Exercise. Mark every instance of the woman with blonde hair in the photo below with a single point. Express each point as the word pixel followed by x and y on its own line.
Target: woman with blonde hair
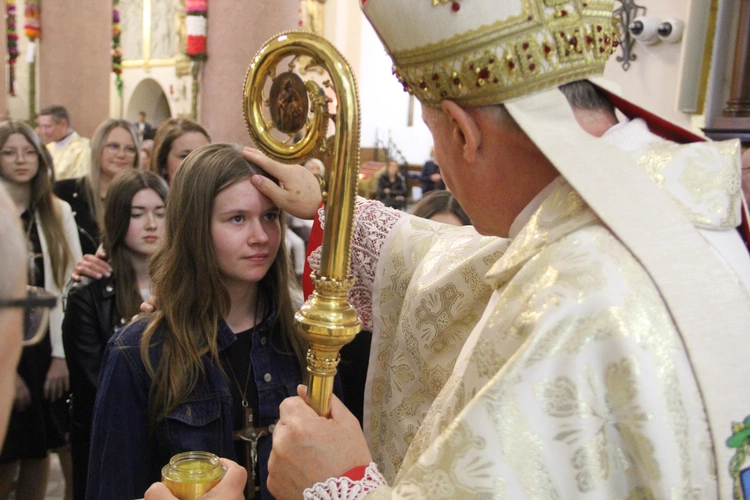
pixel 42 375
pixel 174 140
pixel 133 230
pixel 114 148
pixel 208 370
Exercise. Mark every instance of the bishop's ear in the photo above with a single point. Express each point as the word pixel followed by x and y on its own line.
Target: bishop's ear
pixel 465 130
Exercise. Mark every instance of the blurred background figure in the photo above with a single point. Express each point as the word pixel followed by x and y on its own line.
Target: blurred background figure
pixel 302 227
pixel 746 175
pixel 71 153
pixel 113 149
pixel 12 287
pixel 39 422
pixel 147 147
pixel 392 187
pixel 144 128
pixel 430 177
pixel 174 140
pixel 441 206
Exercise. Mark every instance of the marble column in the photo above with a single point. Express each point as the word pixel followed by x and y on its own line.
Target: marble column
pixel 236 30
pixel 74 60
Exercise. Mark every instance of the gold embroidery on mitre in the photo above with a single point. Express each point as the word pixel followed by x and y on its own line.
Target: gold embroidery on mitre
pixel 550 43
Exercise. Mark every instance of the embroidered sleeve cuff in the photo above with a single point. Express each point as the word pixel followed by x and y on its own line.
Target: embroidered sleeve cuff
pixel 344 488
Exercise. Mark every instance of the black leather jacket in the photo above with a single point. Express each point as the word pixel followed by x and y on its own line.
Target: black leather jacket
pixel 91 318
pixel 74 192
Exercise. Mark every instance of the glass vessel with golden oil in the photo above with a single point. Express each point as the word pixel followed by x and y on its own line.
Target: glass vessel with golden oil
pixel 190 474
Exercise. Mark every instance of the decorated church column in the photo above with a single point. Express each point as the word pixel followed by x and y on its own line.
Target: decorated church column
pixel 75 63
pixel 232 41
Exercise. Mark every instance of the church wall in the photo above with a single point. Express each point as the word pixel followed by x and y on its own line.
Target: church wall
pixel 236 30
pixel 75 61
pixel 385 105
pixel 654 79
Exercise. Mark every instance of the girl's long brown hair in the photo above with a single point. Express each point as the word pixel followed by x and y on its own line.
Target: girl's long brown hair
pixel 60 255
pixel 117 208
pixel 192 298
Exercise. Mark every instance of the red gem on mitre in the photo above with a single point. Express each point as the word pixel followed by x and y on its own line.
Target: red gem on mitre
pixel 455 7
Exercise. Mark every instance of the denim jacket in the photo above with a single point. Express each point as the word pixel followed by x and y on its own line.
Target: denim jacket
pixel 125 459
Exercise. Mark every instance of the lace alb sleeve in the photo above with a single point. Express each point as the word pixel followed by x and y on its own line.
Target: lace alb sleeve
pixel 372 223
pixel 343 488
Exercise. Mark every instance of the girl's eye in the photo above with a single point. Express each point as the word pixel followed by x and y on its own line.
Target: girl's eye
pixel 271 216
pixel 160 215
pixel 237 218
pixel 135 215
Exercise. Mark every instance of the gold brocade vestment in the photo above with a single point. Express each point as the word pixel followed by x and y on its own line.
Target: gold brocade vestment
pixel 563 373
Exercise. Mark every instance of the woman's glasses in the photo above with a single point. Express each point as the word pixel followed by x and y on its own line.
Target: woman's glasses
pixel 36 306
pixel 115 148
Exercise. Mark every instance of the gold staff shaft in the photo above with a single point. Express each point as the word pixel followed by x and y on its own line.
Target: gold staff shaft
pixel 327 321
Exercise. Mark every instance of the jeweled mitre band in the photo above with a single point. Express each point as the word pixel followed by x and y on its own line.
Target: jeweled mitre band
pixel 540 44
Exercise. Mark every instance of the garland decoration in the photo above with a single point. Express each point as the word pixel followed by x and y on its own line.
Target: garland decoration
pixel 196 22
pixel 33 32
pixel 116 47
pixel 10 28
pixel 32 29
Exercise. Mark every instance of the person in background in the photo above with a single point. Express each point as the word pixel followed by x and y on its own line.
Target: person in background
pixel 174 140
pixel 71 153
pixel 746 175
pixel 302 227
pixel 208 367
pixel 144 128
pixel 430 177
pixel 147 147
pixel 392 187
pixel 13 296
pixel 441 206
pixel 39 421
pixel 114 148
pixel 133 230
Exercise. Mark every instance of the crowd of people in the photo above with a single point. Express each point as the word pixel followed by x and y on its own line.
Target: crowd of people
pixel 541 325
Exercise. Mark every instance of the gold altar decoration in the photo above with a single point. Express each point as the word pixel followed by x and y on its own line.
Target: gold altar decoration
pixel 288 119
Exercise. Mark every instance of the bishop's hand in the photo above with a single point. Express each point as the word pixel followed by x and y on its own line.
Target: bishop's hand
pixel 299 193
pixel 308 448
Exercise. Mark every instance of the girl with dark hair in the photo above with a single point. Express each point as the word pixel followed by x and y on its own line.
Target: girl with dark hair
pixel 133 230
pixel 441 206
pixel 208 370
pixel 42 381
pixel 174 140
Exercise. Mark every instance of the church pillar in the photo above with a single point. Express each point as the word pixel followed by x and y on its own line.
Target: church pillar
pixel 236 30
pixel 4 78
pixel 74 60
pixel 739 93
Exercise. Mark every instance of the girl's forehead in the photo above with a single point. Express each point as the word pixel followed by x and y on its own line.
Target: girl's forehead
pixel 243 195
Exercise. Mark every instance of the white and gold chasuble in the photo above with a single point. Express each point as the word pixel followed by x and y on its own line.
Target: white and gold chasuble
pixel 73 159
pixel 555 368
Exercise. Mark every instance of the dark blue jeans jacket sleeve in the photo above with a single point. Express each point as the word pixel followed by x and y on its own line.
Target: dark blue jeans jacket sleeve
pixel 120 465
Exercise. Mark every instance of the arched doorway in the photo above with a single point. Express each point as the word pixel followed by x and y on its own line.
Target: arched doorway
pixel 148 96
